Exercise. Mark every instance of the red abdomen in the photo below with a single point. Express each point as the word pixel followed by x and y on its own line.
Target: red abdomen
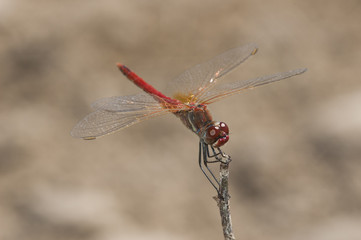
pixel 160 97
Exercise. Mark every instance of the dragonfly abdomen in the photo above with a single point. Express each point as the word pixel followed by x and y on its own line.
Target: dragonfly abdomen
pixel 160 97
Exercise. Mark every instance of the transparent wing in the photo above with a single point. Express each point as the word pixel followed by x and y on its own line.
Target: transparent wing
pixel 114 113
pixel 224 90
pixel 200 78
pixel 131 103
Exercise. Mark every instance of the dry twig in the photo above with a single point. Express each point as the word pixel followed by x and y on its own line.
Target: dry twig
pixel 223 200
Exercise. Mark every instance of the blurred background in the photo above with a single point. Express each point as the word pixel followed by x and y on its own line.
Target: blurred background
pixel 295 144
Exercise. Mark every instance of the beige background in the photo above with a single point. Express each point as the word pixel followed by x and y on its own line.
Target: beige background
pixel 295 144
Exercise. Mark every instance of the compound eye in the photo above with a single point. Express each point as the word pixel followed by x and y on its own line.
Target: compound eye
pixel 213 132
pixel 223 127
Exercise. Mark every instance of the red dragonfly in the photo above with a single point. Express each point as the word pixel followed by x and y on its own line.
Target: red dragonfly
pixel 192 91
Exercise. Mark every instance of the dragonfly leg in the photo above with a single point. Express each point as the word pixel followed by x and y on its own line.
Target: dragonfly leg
pixel 206 161
pixel 215 154
pixel 203 152
pixel 205 155
pixel 225 158
pixel 220 156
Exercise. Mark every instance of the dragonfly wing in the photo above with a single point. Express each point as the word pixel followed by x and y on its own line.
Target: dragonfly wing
pixel 200 78
pixel 224 90
pixel 115 113
pixel 127 103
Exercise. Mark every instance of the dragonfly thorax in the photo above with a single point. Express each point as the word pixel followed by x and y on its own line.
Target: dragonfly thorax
pixel 199 120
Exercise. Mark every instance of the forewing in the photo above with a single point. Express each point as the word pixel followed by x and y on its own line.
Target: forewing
pixel 115 113
pixel 200 78
pixel 224 90
pixel 131 103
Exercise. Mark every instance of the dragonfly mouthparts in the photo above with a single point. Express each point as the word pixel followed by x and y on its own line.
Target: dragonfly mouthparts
pixel 221 141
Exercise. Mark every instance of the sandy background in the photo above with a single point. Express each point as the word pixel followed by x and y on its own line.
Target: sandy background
pixel 296 170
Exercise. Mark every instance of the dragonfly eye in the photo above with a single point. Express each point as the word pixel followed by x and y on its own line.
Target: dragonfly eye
pixel 212 132
pixel 216 131
pixel 223 127
pixel 217 134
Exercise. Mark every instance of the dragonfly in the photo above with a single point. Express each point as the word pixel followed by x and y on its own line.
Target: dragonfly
pixel 191 93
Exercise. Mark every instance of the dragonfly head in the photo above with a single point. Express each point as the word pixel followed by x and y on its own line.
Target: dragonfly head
pixel 216 134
